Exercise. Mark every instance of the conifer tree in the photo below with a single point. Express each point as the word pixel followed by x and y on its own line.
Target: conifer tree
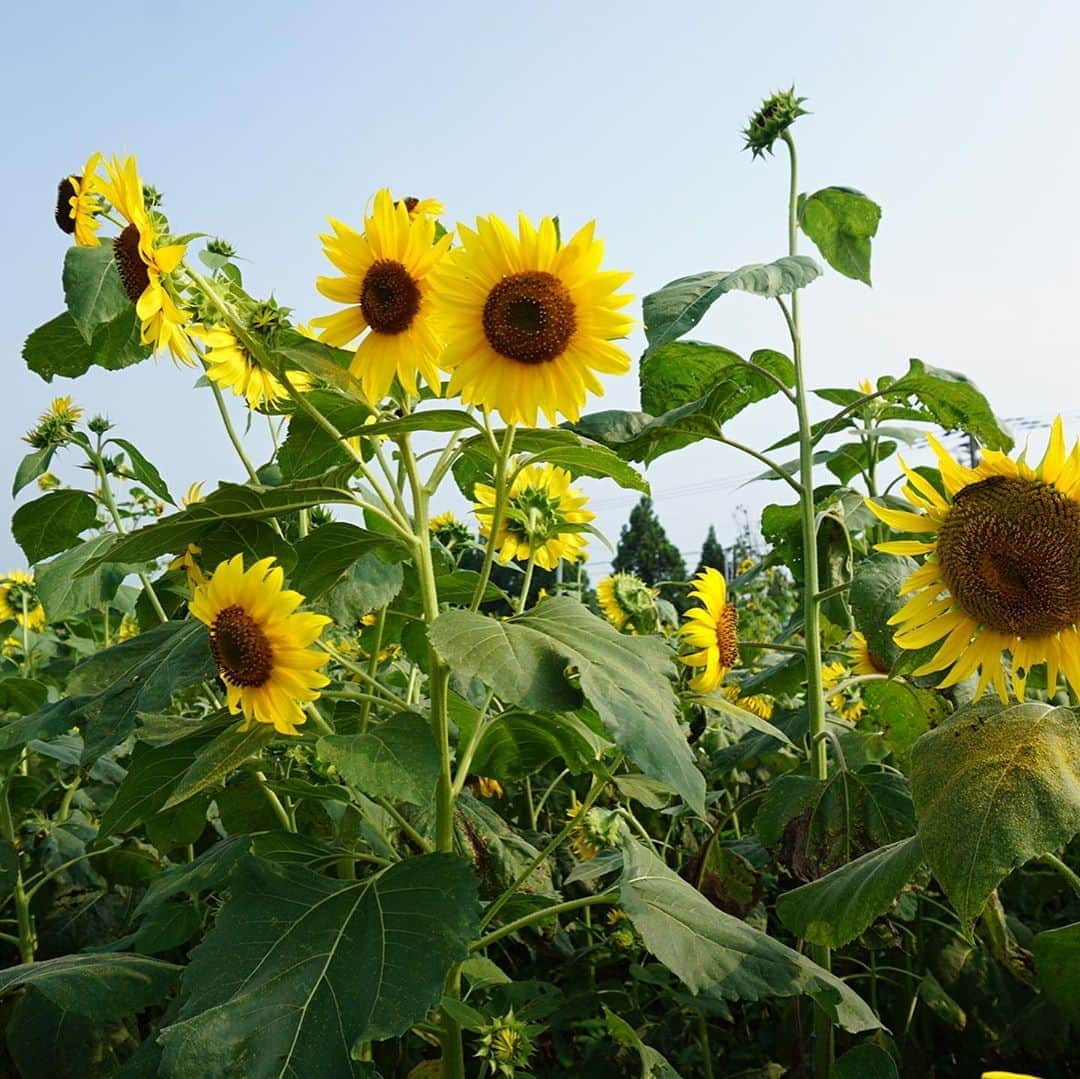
pixel 645 551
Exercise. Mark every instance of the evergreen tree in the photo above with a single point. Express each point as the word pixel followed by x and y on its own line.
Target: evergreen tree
pixel 645 551
pixel 712 554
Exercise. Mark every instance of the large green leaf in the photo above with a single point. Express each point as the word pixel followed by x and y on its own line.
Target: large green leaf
pixel 214 763
pixel 369 584
pixel 58 348
pixel 101 986
pixel 308 450
pixel 328 551
pixel 209 870
pixel 680 305
pixel 300 968
pixel 951 400
pixel 903 713
pixel 719 956
pixel 1057 962
pixel 136 676
pixel 331 365
pixel 144 471
pixel 680 372
pixel 836 908
pixel 63 594
pixel 992 790
pixel 47 722
pixel 842 222
pixel 52 523
pixel 519 744
pixel 654 1065
pixel 34 464
pixel 875 597
pixel 547 658
pixel 92 288
pixel 397 759
pixel 231 501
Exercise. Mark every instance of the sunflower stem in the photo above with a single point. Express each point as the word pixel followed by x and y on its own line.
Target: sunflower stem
pixel 609 898
pixel 1054 861
pixel 22 899
pixel 502 464
pixel 280 811
pixel 815 697
pixel 373 666
pixel 530 566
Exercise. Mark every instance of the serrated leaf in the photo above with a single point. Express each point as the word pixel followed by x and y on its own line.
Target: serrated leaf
pixel 93 290
pixel 213 763
pixel 369 584
pixel 992 790
pixel 52 523
pixel 842 222
pixel 836 908
pixel 63 594
pixel 719 956
pixel 681 304
pixel 328 551
pixel 144 471
pixel 275 983
pixel 58 348
pixel 681 371
pixel 209 870
pixel 526 660
pixel 397 759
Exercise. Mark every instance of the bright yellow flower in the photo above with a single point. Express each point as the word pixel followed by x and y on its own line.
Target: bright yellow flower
pixel 143 264
pixel 129 627
pixel 77 204
pixel 847 704
pixel 230 365
pixel 386 287
pixel 528 323
pixel 420 207
pixel 712 631
pixel 540 504
pixel 487 787
pixel 627 602
pixel 861 659
pixel 19 600
pixel 260 643
pixel 866 386
pixel 1001 572
pixel 194 494
pixel 760 706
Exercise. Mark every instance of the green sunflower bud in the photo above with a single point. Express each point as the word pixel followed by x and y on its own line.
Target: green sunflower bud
pixel 776 115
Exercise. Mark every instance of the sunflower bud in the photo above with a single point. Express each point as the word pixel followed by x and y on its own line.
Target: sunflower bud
pixel 776 115
pixel 56 426
pixel 221 247
pixel 268 317
pixel 506 1044
pixel 152 197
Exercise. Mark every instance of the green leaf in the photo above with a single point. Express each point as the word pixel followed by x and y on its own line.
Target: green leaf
pixel 308 450
pixel 328 551
pixel 209 870
pixel 903 713
pixel 993 789
pixel 144 471
pixel 951 400
pixel 92 288
pixel 835 909
pixel 1057 963
pixel 34 464
pixel 22 695
pixel 331 365
pixel 397 759
pixel 136 676
pixel 653 1064
pixel 253 539
pixel 101 986
pixel 680 372
pixel 368 585
pixel 215 762
pixel 65 595
pixel 55 718
pixel 300 968
pixel 58 348
pixel 717 703
pixel 721 957
pixel 431 419
pixel 680 305
pixel 842 222
pixel 519 744
pixel 230 502
pixel 866 1061
pixel 875 597
pixel 52 523
pixel 527 661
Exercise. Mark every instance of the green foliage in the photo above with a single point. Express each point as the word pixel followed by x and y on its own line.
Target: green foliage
pixel 52 523
pixel 841 221
pixel 712 554
pixel 58 347
pixel 64 593
pixel 994 787
pixel 92 288
pixel 1057 962
pixel 645 551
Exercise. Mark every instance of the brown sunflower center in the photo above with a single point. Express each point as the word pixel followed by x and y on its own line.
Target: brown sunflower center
pixel 133 272
pixel 727 636
pixel 65 192
pixel 529 317
pixel 241 650
pixel 1009 552
pixel 389 297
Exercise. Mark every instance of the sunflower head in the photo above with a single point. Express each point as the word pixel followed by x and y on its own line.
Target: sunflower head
pixel 56 425
pixel 506 1044
pixel 260 643
pixel 627 602
pixel 848 703
pixel 19 600
pixel 529 323
pixel 777 113
pixel 77 204
pixel 1002 569
pixel 710 631
pixel 423 207
pixel 540 506
pixel 449 531
pixel 758 704
pixel 385 288
pixel 861 659
pixel 232 366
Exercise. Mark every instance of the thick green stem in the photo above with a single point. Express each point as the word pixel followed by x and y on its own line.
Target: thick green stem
pixel 542 915
pixel 815 697
pixel 502 465
pixel 280 811
pixel 1064 870
pixel 523 598
pixel 22 900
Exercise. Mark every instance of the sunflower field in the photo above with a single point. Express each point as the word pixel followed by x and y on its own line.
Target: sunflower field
pixel 307 776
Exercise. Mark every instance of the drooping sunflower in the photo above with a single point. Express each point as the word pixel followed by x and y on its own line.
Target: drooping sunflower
pixel 423 207
pixel 541 502
pixel 848 703
pixel 143 264
pixel 1002 569
pixel 19 600
pixel 528 323
pixel 386 287
pixel 77 204
pixel 260 642
pixel 229 364
pixel 861 659
pixel 627 603
pixel 760 705
pixel 711 630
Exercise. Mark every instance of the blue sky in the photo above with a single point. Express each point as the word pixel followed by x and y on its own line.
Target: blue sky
pixel 259 120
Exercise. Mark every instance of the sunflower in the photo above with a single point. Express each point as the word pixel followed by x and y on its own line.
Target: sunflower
pixel 77 204
pixel 848 703
pixel 627 602
pixel 527 322
pixel 143 264
pixel 760 706
pixel 19 600
pixel 711 630
pixel 229 364
pixel 861 659
pixel 386 286
pixel 423 207
pixel 1002 573
pixel 55 426
pixel 260 644
pixel 541 503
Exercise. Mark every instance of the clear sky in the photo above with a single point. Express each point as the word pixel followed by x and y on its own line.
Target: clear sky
pixel 258 120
